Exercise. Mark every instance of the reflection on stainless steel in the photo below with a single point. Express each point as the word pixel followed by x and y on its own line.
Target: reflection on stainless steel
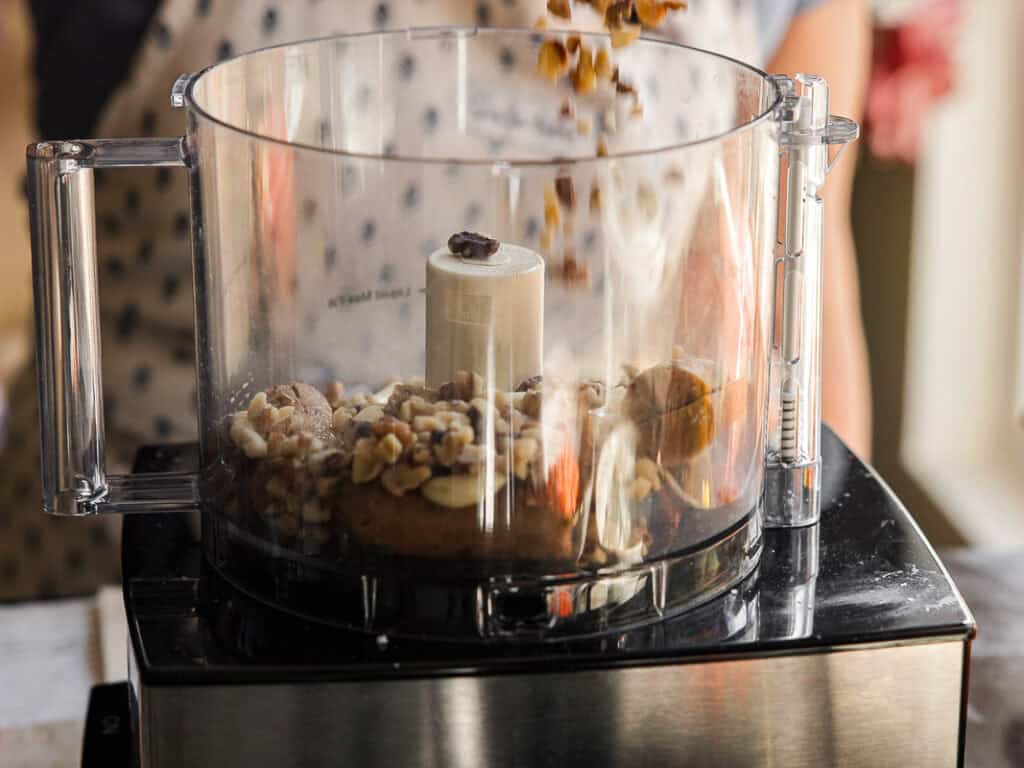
pixel 892 706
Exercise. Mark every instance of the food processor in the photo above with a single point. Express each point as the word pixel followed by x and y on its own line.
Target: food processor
pixel 510 449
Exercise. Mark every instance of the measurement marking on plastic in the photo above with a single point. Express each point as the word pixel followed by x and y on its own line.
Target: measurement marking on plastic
pixel 344 300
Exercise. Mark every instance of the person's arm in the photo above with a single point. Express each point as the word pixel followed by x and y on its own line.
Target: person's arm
pixel 834 40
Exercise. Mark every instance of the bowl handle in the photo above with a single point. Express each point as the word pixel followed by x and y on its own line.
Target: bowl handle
pixel 68 362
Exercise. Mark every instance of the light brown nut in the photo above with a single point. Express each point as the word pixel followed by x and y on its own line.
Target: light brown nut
pixel 465 386
pixel 639 489
pixel 257 405
pixel 602 147
pixel 472 454
pixel 370 413
pixel 603 65
pixel 541 23
pixel 624 35
pixel 560 8
pixel 452 443
pixel 312 512
pixel 652 12
pixel 523 452
pixel 242 434
pixel 275 442
pixel 341 419
pixel 595 198
pixel 672 410
pixel 532 404
pixel 422 454
pixel 452 418
pixel 552 59
pixel 565 190
pixel 572 43
pixel 584 77
pixel 290 447
pixel 389 448
pixel 308 403
pixel 389 425
pixel 457 491
pixel 648 470
pixel 400 478
pixel 365 468
pixel 264 419
pixel 426 423
pixel 309 443
pixel 420 406
pixel 335 394
pixel 552 216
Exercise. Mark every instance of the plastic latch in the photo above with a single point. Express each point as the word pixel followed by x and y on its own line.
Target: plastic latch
pixel 178 90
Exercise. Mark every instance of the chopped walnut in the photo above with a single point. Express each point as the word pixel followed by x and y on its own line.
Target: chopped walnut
pixel 560 8
pixel 584 78
pixel 624 35
pixel 603 65
pixel 401 478
pixel 552 217
pixel 552 59
pixel 566 191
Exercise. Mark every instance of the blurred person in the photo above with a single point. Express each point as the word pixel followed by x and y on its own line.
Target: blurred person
pixel 104 68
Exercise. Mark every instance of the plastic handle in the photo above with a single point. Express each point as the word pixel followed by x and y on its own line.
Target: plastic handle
pixel 68 361
pixel 792 482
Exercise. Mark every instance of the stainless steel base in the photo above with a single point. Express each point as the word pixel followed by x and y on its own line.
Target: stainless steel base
pixel 878 706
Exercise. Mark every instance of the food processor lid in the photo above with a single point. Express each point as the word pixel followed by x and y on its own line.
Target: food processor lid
pixel 274 83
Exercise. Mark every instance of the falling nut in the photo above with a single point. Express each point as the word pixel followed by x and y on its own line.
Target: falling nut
pixel 584 77
pixel 552 217
pixel 552 59
pixel 603 65
pixel 560 8
pixel 565 190
pixel 624 35
pixel 652 12
pixel 457 491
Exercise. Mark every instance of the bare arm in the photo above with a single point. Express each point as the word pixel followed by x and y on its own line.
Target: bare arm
pixel 834 41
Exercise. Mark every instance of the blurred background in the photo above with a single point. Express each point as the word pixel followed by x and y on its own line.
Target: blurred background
pixel 938 226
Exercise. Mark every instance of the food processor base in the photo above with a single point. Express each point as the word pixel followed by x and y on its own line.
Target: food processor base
pixel 848 645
